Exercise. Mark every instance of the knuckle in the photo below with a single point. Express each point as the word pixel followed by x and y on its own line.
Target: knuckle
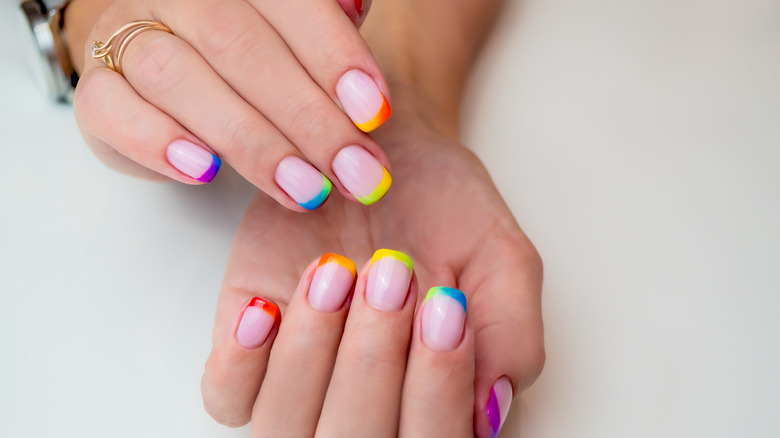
pixel 225 30
pixel 310 115
pixel 158 65
pixel 87 97
pixel 225 418
pixel 238 136
pixel 536 360
pixel 373 355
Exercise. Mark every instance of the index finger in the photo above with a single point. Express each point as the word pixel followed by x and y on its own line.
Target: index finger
pixel 342 64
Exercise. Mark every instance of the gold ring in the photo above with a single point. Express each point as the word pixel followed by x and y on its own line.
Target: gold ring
pixel 120 39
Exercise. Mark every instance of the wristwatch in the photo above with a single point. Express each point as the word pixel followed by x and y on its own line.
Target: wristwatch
pixel 53 65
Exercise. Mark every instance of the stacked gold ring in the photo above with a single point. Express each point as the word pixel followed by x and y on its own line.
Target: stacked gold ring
pixel 120 39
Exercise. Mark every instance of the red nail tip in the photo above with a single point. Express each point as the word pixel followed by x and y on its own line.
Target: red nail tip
pixel 359 6
pixel 268 307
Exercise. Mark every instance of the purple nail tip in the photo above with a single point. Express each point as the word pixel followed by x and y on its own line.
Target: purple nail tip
pixel 212 171
pixel 494 413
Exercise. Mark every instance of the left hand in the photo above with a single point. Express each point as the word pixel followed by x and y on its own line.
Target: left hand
pixel 337 363
pixel 446 214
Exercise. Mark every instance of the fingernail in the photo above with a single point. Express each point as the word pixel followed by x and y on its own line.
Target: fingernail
pixel 256 323
pixel 331 283
pixel 361 99
pixel 192 160
pixel 388 281
pixel 305 184
pixel 359 6
pixel 498 405
pixel 361 173
pixel 443 319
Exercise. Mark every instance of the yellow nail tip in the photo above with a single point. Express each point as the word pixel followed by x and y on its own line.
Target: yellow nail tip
pixel 379 191
pixel 398 255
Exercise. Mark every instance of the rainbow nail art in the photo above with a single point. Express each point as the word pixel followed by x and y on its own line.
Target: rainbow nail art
pixel 398 255
pixel 211 172
pixel 362 100
pixel 450 292
pixel 257 321
pixel 341 260
pixel 381 116
pixel 498 404
pixel 379 191
pixel 267 307
pixel 321 197
pixel 192 160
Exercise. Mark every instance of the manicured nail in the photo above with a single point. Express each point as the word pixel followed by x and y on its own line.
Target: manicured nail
pixel 388 280
pixel 498 404
pixel 361 173
pixel 359 6
pixel 443 318
pixel 331 283
pixel 192 160
pixel 256 323
pixel 305 184
pixel 361 99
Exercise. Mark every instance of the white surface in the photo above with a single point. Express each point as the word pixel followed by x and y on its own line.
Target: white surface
pixel 638 143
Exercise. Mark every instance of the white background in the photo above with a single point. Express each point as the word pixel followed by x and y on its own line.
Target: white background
pixel 638 143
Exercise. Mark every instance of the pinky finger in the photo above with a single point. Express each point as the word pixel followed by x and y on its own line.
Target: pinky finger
pixel 110 113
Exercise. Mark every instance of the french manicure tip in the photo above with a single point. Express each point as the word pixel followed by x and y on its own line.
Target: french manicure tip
pixel 339 259
pixel 451 292
pixel 211 172
pixel 398 255
pixel 381 117
pixel 379 191
pixel 321 197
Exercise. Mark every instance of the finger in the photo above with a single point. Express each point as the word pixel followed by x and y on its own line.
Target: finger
pixel 365 391
pixel 304 352
pixel 342 65
pixel 171 75
pixel 438 393
pixel 356 10
pixel 506 309
pixel 236 365
pixel 110 112
pixel 250 56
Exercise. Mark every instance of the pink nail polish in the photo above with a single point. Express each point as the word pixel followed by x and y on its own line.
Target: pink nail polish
pixel 443 318
pixel 388 280
pixel 362 174
pixel 256 323
pixel 362 101
pixel 332 282
pixel 498 404
pixel 192 160
pixel 305 184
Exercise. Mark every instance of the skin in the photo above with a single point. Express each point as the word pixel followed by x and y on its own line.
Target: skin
pixel 193 85
pixel 457 230
pixel 443 211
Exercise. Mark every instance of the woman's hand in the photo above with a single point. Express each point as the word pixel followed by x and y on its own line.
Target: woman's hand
pixel 347 364
pixel 445 213
pixel 282 91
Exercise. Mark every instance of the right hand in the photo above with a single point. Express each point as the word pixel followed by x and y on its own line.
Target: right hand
pixel 268 86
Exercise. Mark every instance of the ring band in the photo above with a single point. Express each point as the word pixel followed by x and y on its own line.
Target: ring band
pixel 120 39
